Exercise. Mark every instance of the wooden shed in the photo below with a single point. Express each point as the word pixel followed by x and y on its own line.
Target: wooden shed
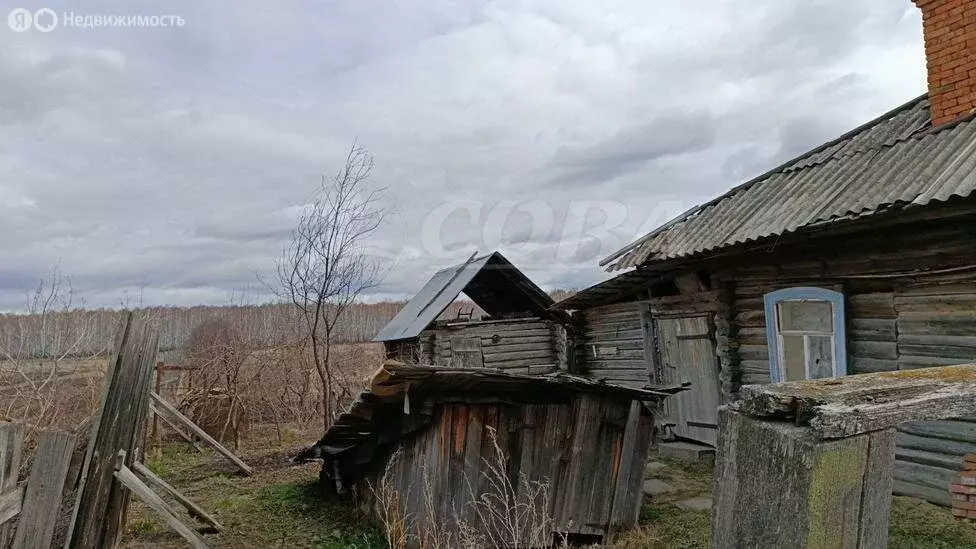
pixel 519 332
pixel 505 459
pixel 858 256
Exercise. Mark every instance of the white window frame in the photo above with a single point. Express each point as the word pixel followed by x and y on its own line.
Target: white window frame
pixel 771 301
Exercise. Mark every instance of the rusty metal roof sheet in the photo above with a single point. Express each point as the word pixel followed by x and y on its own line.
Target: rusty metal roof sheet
pixel 491 281
pixel 897 160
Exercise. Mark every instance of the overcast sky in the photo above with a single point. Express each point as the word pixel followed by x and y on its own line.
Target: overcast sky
pixel 171 162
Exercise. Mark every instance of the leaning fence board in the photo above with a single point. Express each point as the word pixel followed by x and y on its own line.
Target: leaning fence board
pixel 42 500
pixel 11 445
pixel 202 434
pixel 174 427
pixel 132 482
pixel 194 509
pixel 101 503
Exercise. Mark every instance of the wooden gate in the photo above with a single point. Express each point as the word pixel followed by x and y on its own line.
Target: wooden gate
pixel 686 353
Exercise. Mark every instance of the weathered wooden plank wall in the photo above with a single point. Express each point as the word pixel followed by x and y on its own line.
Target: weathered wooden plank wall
pixel 611 344
pixel 522 346
pixel 564 462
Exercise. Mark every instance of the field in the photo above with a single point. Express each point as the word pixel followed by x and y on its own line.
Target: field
pixel 281 507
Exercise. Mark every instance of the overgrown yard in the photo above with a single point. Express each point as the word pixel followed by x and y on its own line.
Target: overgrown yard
pixel 280 506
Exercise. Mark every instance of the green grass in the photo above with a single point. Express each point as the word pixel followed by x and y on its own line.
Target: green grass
pixel 171 458
pixel 298 509
pixel 916 523
pixel 280 506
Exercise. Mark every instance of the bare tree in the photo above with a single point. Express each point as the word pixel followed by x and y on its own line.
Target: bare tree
pixel 326 265
pixel 46 376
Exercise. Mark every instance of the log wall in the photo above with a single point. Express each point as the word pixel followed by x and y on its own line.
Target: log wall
pixel 611 344
pixel 910 303
pixel 523 346
pixel 577 465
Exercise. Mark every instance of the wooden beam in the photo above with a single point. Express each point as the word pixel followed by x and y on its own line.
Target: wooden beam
pixel 42 500
pixel 171 425
pixel 10 504
pixel 852 405
pixel 11 447
pixel 195 429
pixel 101 505
pixel 627 495
pixel 156 503
pixel 195 510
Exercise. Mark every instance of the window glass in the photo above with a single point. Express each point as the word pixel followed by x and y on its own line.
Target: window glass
pixel 793 356
pixel 821 356
pixel 806 316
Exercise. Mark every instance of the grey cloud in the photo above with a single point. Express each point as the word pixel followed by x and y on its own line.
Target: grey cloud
pixel 630 148
pixel 165 161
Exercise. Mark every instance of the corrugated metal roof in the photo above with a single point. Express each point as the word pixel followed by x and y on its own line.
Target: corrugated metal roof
pixel 893 161
pixel 616 288
pixel 491 281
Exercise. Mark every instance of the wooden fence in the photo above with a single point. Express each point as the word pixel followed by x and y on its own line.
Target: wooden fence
pixel 30 516
pixel 37 515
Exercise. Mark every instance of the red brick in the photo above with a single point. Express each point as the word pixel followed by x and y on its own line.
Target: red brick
pixel 960 489
pixel 950 47
pixel 960 513
pixel 967 505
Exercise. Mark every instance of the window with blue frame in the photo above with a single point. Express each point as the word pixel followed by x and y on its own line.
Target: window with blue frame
pixel 805 334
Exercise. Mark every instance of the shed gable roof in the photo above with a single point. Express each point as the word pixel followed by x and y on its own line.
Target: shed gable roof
pixel 491 281
pixel 896 160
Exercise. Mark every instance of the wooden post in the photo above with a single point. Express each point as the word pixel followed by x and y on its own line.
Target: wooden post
pixel 11 496
pixel 780 485
pixel 120 425
pixel 155 435
pixel 42 500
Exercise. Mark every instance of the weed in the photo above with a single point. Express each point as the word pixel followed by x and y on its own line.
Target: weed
pixel 144 526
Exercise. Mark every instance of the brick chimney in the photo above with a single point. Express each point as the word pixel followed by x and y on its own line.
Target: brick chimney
pixel 950 50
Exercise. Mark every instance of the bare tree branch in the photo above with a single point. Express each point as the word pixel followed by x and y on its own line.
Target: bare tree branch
pixel 326 267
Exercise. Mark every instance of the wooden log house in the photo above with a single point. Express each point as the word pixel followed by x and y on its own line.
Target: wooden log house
pixel 519 334
pixel 475 431
pixel 857 256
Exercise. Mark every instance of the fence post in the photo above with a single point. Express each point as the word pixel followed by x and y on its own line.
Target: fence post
pixel 42 500
pixel 779 485
pixel 11 496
